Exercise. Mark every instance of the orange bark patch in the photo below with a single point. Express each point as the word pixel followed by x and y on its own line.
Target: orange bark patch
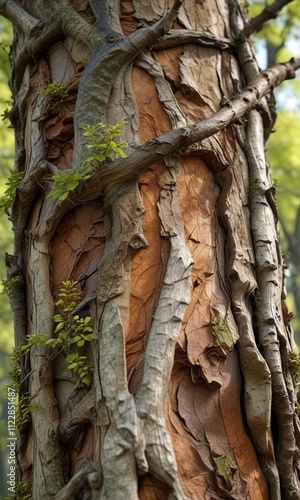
pixel 153 119
pixel 205 423
pixel 147 271
pixel 198 213
pixel 128 22
pixel 148 265
pixel 239 441
pixel 77 246
pixel 169 61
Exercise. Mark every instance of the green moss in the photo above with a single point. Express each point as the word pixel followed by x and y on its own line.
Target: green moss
pixel 294 364
pixel 56 92
pixel 226 468
pixel 222 334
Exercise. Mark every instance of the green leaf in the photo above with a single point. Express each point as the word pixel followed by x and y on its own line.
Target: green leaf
pixel 90 337
pixel 72 356
pixel 73 366
pixel 64 196
pixel 58 317
pixel 59 327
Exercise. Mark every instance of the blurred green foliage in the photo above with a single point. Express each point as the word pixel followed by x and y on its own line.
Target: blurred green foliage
pixel 281 31
pixel 6 163
pixel 6 238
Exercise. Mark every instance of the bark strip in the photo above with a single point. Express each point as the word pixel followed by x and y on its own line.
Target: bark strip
pixel 268 304
pixel 159 355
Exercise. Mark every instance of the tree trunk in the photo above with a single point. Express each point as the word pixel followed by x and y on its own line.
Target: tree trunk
pixel 174 249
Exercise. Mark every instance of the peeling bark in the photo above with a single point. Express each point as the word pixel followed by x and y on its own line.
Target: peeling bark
pixel 174 248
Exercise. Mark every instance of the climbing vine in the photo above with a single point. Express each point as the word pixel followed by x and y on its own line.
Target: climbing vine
pixel 71 331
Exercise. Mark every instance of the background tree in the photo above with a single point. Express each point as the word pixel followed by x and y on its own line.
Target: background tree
pixel 173 249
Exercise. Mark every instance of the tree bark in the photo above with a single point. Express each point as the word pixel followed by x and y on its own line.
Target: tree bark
pixel 175 250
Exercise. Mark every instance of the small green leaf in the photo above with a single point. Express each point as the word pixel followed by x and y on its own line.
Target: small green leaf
pixel 59 327
pixel 58 317
pixel 73 366
pixel 90 337
pixel 72 356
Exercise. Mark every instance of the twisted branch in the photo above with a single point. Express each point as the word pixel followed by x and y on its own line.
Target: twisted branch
pixel 257 22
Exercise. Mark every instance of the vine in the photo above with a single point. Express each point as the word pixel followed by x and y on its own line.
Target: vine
pixel 101 142
pixel 72 331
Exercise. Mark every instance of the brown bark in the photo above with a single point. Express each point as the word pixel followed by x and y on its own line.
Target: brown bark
pixel 175 250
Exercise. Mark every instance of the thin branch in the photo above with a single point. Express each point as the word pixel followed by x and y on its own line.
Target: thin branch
pixel 17 15
pixel 270 329
pixel 177 36
pixel 113 175
pixel 73 486
pixel 108 179
pixel 257 22
pixel 99 9
pixel 116 52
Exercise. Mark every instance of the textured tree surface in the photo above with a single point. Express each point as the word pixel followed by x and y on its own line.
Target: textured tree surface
pixel 175 249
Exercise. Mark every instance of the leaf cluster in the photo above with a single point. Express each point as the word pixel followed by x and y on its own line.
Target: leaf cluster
pixel 72 330
pixel 66 182
pixel 8 112
pixel 7 285
pixel 56 92
pixel 24 409
pixel 79 364
pixel 102 145
pixel 9 196
pixel 32 340
pixel 101 142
